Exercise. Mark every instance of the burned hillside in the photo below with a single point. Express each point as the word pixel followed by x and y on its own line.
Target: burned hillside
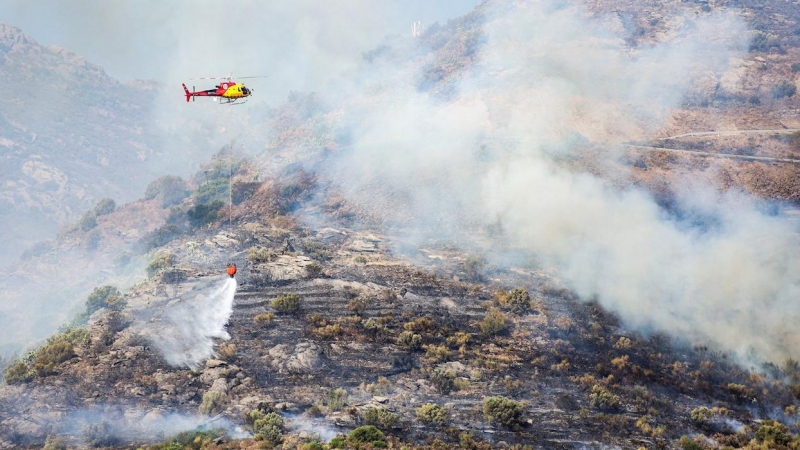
pixel 513 231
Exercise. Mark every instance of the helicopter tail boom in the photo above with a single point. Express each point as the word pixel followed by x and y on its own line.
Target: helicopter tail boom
pixel 186 90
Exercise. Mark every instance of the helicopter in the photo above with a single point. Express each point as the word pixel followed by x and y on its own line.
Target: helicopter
pixel 228 91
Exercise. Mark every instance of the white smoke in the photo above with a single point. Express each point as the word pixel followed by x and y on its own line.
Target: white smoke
pixel 185 330
pixel 554 82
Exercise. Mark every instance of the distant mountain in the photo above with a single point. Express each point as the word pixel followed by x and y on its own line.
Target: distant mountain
pixel 70 135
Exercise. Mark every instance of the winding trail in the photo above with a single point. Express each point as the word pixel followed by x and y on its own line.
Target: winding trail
pixel 730 133
pixel 721 155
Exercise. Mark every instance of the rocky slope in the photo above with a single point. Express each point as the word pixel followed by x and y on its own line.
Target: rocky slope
pixel 338 323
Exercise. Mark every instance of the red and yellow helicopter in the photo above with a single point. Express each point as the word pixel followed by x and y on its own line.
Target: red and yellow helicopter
pixel 228 91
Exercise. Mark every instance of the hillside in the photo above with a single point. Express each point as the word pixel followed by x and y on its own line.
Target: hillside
pixel 458 246
pixel 70 135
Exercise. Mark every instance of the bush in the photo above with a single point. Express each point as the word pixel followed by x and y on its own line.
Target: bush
pixel 773 433
pixel 517 301
pixel 433 414
pixel 764 42
pixel 211 191
pixel 264 318
pixel 602 398
pixel 159 237
pixel 493 323
pixel 688 443
pixel 784 89
pixel 740 391
pixel 337 399
pixel 795 67
pixel 104 206
pixel 18 373
pixel 88 221
pixel 502 411
pixel 443 380
pixel 380 417
pixel 51 355
pixel 161 262
pixel 75 336
pixel 473 269
pixel 701 415
pixel 409 340
pixel 203 214
pixel 170 189
pixel 337 442
pixel 213 401
pixel 54 443
pixel 313 270
pixel 268 427
pixel 259 255
pixel 286 304
pixel 102 297
pixel 195 440
pixel 92 240
pixel 367 434
pixel 436 353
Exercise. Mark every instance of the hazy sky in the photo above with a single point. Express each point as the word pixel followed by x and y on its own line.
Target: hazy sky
pixel 298 43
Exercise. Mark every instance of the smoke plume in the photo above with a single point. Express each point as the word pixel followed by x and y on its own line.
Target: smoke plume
pixel 552 83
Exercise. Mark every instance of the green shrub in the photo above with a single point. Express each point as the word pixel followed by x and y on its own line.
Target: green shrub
pixel 18 373
pixel 204 213
pixel 88 221
pixel 104 206
pixel 764 42
pixel 102 297
pixel 54 443
pixel 602 398
pixel 740 391
pixel 212 191
pixel 784 89
pixel 436 353
pixel 337 442
pixel 688 443
pixel 268 427
pixel 264 318
pixel 313 446
pixel 493 323
pixel 51 355
pixel 517 300
pixel 260 255
pixel 92 240
pixel 288 303
pixel 195 440
pixel 795 67
pixel 337 399
pixel 503 411
pixel 431 413
pixel 443 380
pixel 701 415
pixel 169 189
pixel 367 434
pixel 380 417
pixel 313 270
pixel 773 433
pixel 213 401
pixel 409 340
pixel 159 263
pixel 75 336
pixel 159 237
